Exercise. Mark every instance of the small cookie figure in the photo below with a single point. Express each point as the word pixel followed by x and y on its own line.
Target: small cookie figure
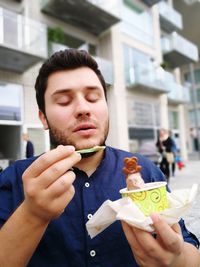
pixel 132 172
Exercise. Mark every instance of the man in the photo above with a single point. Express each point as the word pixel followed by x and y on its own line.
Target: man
pixel 45 202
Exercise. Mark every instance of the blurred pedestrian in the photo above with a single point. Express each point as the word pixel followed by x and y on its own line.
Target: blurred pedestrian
pixel 28 146
pixel 175 152
pixel 179 161
pixel 165 147
pixel 195 140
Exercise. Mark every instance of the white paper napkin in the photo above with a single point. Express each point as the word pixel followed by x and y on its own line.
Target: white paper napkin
pixel 180 202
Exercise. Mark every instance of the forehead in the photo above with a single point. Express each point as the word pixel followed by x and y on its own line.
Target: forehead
pixel 73 79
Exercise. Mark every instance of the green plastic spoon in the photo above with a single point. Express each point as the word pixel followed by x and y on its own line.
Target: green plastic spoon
pixel 90 150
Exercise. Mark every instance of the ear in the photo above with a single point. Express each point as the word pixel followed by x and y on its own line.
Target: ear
pixel 126 160
pixel 134 159
pixel 43 120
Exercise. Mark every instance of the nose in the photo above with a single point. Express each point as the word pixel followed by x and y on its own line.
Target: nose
pixel 82 108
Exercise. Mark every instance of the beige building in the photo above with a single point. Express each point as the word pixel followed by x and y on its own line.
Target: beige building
pixel 138 46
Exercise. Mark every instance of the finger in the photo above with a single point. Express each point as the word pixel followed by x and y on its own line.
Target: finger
pixel 59 204
pixel 47 159
pixel 171 236
pixel 56 170
pixel 61 185
pixel 148 243
pixel 131 238
pixel 144 246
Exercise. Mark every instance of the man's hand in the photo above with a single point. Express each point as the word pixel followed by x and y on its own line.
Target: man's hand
pixel 166 250
pixel 48 183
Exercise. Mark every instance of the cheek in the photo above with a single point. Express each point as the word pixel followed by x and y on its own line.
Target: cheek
pixel 102 113
pixel 57 116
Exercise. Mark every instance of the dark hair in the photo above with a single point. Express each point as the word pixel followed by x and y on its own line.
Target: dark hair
pixel 64 60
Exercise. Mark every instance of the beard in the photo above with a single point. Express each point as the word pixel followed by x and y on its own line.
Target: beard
pixel 59 137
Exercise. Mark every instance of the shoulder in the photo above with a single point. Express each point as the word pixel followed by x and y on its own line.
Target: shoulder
pixel 15 171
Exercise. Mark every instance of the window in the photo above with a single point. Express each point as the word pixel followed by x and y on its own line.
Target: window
pixel 10 101
pixel 173 120
pixel 187 76
pixel 131 5
pixel 191 117
pixel 198 94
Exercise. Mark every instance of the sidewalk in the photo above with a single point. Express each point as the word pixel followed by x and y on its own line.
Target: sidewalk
pixel 185 178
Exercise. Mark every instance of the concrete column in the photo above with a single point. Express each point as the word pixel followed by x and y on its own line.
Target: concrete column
pixel 182 120
pixel 118 135
pixel 182 127
pixel 157 34
pixel 164 121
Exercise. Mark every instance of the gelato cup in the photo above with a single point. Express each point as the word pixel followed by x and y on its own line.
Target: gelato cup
pixel 151 198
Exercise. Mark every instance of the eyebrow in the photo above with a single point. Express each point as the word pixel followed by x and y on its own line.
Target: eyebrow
pixel 68 90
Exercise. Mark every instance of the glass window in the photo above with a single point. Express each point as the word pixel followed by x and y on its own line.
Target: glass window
pixel 187 76
pixel 137 25
pixel 191 117
pixel 131 5
pixel 143 114
pixel 198 94
pixel 133 57
pixel 10 101
pixel 173 120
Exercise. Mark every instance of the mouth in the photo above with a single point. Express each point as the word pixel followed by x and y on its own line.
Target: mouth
pixel 84 127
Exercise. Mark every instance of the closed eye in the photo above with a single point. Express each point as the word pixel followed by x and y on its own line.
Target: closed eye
pixel 93 97
pixel 63 100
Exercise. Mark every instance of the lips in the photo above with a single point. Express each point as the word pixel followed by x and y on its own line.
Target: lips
pixel 84 127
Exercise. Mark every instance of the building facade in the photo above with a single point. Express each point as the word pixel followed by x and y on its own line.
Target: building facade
pixel 138 46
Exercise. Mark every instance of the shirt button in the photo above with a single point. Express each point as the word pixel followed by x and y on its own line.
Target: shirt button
pixel 89 216
pixel 87 184
pixel 92 253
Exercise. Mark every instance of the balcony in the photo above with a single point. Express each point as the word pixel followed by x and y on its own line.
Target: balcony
pixel 137 25
pixel 170 19
pixel 151 2
pixel 147 78
pixel 191 2
pixel 177 94
pixel 178 51
pixel 23 42
pixel 105 66
pixel 93 16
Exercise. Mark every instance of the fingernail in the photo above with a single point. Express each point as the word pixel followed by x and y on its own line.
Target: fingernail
pixel 70 148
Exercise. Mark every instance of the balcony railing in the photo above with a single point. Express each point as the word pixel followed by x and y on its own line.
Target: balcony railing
pixel 178 50
pixel 147 77
pixel 94 16
pixel 105 66
pixel 23 42
pixel 151 2
pixel 139 26
pixel 177 92
pixel 170 19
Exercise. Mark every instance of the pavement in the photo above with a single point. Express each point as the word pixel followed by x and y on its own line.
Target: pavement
pixel 185 178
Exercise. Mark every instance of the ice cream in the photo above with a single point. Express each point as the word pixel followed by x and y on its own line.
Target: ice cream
pixel 149 197
pixel 132 171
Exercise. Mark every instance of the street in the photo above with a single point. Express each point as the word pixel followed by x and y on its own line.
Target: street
pixel 189 175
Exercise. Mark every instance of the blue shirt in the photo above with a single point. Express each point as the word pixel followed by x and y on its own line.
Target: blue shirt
pixel 66 242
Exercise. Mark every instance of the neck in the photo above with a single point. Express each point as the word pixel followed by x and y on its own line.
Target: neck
pixel 89 164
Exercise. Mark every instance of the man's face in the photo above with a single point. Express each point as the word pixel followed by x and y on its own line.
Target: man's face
pixel 76 109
